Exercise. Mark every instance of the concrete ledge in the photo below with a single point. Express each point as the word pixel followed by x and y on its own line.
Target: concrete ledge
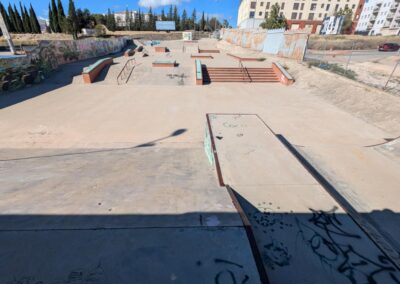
pixel 243 58
pixel 209 51
pixel 91 72
pixel 283 76
pixel 160 49
pixel 199 56
pixel 199 72
pixel 164 63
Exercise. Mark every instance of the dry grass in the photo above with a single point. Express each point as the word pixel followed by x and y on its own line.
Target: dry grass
pixel 345 42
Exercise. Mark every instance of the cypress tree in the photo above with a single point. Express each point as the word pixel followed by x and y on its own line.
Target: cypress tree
pixel 51 23
pixel 61 17
pixel 202 23
pixel 184 21
pixel 34 21
pixel 72 20
pixel 193 20
pixel 176 18
pixel 25 19
pixel 170 13
pixel 54 13
pixel 163 18
pixel 6 18
pixel 12 18
pixel 18 20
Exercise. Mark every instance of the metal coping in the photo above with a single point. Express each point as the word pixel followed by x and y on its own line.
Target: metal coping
pixel 94 65
pixel 283 71
pixel 199 73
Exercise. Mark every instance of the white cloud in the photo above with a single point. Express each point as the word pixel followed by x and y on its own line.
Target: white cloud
pixel 159 3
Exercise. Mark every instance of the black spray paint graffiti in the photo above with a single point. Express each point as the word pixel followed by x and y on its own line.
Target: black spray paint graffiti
pixel 231 272
pixel 330 241
pixel 275 253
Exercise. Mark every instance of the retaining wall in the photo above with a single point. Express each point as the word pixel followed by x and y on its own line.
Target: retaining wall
pixel 49 55
pixel 288 44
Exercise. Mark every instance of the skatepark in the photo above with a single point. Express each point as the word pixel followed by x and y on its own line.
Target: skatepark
pixel 152 177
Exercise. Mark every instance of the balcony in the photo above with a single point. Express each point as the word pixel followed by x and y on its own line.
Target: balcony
pixel 390 16
pixel 372 19
pixel 376 10
pixel 394 7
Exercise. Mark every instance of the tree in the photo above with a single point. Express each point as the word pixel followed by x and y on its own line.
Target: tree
pixel 202 22
pixel 13 19
pixel 54 14
pixel 6 17
pixel 127 20
pixel 111 24
pixel 25 19
pixel 152 20
pixel 193 20
pixel 19 23
pixel 51 20
pixel 347 14
pixel 170 14
pixel 72 20
pixel 62 21
pixel 225 23
pixel 176 18
pixel 275 19
pixel 34 21
pixel 184 21
pixel 163 18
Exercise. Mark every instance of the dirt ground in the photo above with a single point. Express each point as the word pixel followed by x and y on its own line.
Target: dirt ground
pixel 346 42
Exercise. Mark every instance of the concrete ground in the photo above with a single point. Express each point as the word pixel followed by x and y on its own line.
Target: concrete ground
pixel 118 175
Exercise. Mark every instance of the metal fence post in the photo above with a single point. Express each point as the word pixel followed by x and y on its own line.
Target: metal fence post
pixel 391 74
pixel 350 56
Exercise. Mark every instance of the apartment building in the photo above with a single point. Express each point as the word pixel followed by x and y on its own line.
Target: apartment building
pixel 120 17
pixel 380 17
pixel 299 13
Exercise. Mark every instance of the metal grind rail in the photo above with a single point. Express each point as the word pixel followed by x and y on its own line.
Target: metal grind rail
pixel 126 72
pixel 243 69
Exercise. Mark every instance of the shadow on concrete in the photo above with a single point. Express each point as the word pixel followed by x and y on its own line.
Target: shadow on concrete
pixel 144 145
pixel 316 246
pixel 59 78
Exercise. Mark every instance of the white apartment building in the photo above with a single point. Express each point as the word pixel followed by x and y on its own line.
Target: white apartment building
pixel 120 17
pixel 299 13
pixel 380 17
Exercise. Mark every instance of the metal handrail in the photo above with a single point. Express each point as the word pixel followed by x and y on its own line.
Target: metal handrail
pixel 126 72
pixel 244 71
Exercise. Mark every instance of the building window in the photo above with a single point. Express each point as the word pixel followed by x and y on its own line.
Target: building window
pixel 266 15
pixel 260 14
pixel 326 15
pixel 302 6
pixel 283 5
pixel 319 15
pixel 296 6
pixel 262 4
pixel 300 16
pixel 251 16
pixel 294 16
pixel 311 16
pixel 327 7
pixel 253 5
pixel 313 7
pixel 336 7
pixel 322 6
pixel 346 6
pixel 353 6
pixel 281 14
pixel 267 6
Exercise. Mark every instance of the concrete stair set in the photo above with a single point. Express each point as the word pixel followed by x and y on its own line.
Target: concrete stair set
pixel 255 75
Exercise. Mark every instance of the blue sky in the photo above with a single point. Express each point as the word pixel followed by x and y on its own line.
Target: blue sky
pixel 223 9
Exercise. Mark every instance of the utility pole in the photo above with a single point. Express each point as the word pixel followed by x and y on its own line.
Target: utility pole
pixel 6 34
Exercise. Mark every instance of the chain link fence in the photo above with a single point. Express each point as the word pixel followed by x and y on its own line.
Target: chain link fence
pixel 375 68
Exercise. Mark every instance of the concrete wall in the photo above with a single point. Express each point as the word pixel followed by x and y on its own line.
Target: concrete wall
pixel 49 55
pixel 289 44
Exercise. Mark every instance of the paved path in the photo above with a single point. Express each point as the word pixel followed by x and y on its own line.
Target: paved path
pixel 144 215
pixel 303 234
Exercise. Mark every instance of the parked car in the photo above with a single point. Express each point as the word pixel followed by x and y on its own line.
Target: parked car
pixel 389 47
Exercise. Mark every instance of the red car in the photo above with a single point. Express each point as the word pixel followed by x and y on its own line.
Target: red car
pixel 389 47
